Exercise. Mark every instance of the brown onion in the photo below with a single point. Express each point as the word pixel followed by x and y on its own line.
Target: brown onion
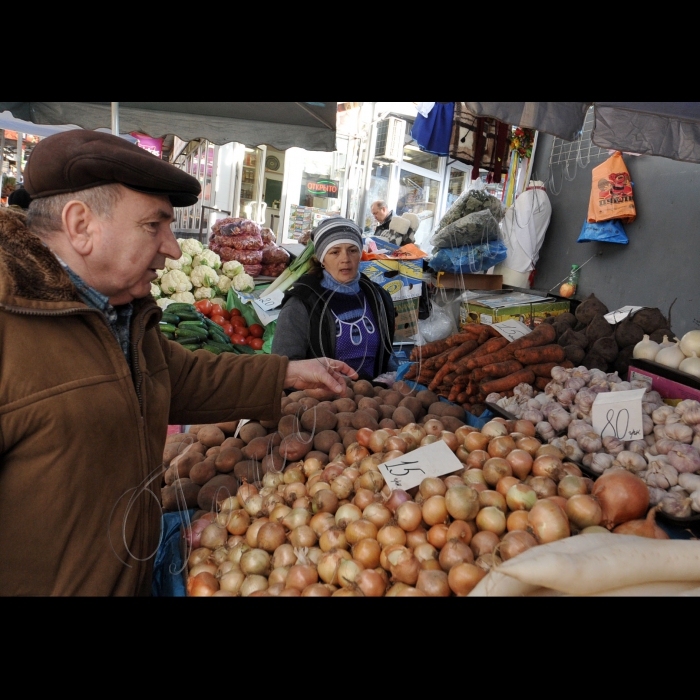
pixel 301 575
pixel 529 445
pixel 517 520
pixel 322 522
pixel 513 543
pixel 363 436
pixel 543 486
pixel 416 537
pixel 463 578
pixel 464 430
pixel 432 487
pixel 391 534
pixel 403 565
pixel 348 571
pixel 278 514
pixel 290 593
pixel 462 502
pixel 433 583
pixel 525 427
pixel 643 528
pixel 271 536
pixel 547 465
pixel 474 476
pixel 360 530
pixel 363 497
pixel 425 551
pixel 435 510
pixel 623 496
pixel 346 514
pixel 548 522
pixel 521 497
pixel 367 552
pixel 328 565
pixel 455 552
pixel 492 498
pixel 437 535
pixel 302 536
pixel 433 427
pixel 460 530
pixel 484 542
pixel 505 483
pixel 377 440
pixel 283 556
pixel 450 439
pixel 203 585
pixel 476 441
pixel 550 450
pixel 520 462
pixel 583 511
pixel 370 583
pixel 333 538
pixel 495 469
pixel 377 514
pixel 429 440
pixel 477 459
pixel 501 446
pixel 571 486
pixel 492 519
pixel 342 486
pixel 316 590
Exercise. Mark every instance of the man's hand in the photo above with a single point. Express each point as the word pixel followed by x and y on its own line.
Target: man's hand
pixel 321 373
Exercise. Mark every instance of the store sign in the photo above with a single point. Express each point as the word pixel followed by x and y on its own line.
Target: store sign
pixel 324 188
pixel 154 146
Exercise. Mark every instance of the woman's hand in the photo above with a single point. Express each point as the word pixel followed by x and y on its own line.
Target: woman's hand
pixel 321 373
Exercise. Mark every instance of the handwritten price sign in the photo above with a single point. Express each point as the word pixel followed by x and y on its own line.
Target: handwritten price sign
pixel 272 301
pixel 408 471
pixel 512 329
pixel 619 414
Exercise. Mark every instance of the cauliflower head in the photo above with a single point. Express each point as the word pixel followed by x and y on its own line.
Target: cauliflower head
pixel 175 281
pixel 232 268
pixel 155 291
pixel 207 257
pixel 190 246
pixel 178 264
pixel 203 293
pixel 184 297
pixel 164 302
pixel 203 276
pixel 243 283
pixel 223 285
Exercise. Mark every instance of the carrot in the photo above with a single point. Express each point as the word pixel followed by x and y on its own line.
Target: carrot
pixel 459 338
pixel 428 350
pixel 491 345
pixel 483 337
pixel 502 369
pixel 462 397
pixel 522 376
pixel 541 383
pixel 505 353
pixel 430 362
pixel 544 334
pixel 441 374
pixel 412 370
pixel 545 369
pixel 455 391
pixel 540 354
pixel 465 348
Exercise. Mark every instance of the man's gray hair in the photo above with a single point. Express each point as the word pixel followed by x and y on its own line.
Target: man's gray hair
pixel 44 217
pixel 381 204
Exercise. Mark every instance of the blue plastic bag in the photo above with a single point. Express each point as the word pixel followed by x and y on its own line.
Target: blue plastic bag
pixel 469 258
pixel 610 231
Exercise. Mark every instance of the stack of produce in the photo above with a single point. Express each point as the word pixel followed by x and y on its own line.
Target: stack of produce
pixel 198 274
pixel 479 361
pixel 683 354
pixel 303 522
pixel 589 340
pixel 244 241
pixel 666 457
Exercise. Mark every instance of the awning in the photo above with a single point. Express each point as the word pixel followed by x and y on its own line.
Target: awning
pixel 282 125
pixel 668 129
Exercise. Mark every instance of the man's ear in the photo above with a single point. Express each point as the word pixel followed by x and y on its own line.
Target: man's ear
pixel 78 222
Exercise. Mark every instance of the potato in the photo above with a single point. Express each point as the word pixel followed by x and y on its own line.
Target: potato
pixel 344 431
pixel 404 389
pixel 307 402
pixel 213 451
pixel 198 447
pixel 337 449
pixel 170 476
pixel 251 430
pixel 343 419
pixel 171 451
pixel 403 416
pixel 426 398
pixel 320 456
pixel 273 462
pixel 203 471
pixel 429 416
pixel 386 411
pixel 269 424
pixel 329 406
pixel 194 429
pixel 219 488
pixel 442 408
pixel 297 446
pixel 182 464
pixel 451 423
pixel 293 408
pixel 187 489
pixel 228 428
pixel 345 405
pixel 210 435
pixel 362 386
pixel 232 442
pixel 366 402
pixel 288 425
pixel 392 398
pixel 297 395
pixel 178 437
pixel 227 459
pixel 378 391
pixel 363 419
pixel 350 438
pixel 285 401
pixel 387 423
pixel 258 447
pixel 413 404
pixel 324 440
pixel 317 420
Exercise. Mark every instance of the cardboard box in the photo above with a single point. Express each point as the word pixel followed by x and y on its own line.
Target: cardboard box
pixel 401 278
pixel 406 318
pixel 467 281
pixel 670 383
pixel 531 314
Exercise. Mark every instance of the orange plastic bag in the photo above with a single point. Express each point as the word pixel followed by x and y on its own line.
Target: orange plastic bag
pixel 611 192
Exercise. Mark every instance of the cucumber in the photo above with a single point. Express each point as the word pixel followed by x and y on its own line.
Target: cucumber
pixel 170 318
pixel 167 327
pixel 192 324
pixel 180 306
pixel 194 333
pixel 219 337
pixel 244 349
pixel 169 336
pixel 212 348
pixel 188 341
pixel 191 347
pixel 190 316
pixel 220 346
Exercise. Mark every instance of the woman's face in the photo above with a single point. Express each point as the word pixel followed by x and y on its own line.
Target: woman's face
pixel 342 262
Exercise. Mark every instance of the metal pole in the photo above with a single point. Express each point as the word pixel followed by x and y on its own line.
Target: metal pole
pixel 115 118
pixel 20 141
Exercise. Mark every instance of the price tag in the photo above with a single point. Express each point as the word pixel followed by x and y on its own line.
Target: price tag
pixel 621 314
pixel 619 414
pixel 409 470
pixel 512 329
pixel 270 301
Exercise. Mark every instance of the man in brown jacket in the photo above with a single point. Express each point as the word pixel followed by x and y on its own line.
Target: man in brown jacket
pixel 88 384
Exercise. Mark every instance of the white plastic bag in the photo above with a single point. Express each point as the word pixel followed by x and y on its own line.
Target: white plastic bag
pixel 438 325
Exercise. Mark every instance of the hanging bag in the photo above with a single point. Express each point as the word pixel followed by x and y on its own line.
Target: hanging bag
pixel 611 192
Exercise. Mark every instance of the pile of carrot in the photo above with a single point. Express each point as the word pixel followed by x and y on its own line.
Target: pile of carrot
pixel 468 366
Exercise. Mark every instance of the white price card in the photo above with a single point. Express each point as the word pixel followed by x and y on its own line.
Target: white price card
pixel 619 414
pixel 512 329
pixel 410 469
pixel 270 301
pixel 621 314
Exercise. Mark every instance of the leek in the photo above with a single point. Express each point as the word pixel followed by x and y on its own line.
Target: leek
pixel 300 266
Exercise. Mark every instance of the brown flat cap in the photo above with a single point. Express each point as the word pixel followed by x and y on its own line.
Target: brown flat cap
pixel 80 159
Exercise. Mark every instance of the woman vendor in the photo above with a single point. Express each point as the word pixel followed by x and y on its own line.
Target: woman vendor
pixel 334 310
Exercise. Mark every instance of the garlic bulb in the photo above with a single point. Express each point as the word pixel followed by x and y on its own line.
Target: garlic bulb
pixel 620 386
pixel 677 505
pixel 645 349
pixel 560 375
pixel 647 424
pixel 690 343
pixel 691 416
pixel 590 442
pixel 670 357
pixel 545 430
pixel 690 482
pixel 600 462
pixel 656 495
pixel 613 445
pixel 632 461
pixel 637 446
pixel 575 383
pixel 691 365
pixel 679 432
pixel 660 415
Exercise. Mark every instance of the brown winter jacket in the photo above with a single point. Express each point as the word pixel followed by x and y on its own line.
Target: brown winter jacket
pixel 82 432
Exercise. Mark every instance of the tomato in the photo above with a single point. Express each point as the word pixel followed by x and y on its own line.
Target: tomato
pixel 242 330
pixel 204 306
pixel 218 319
pixel 228 329
pixel 235 312
pixel 225 314
pixel 216 310
pixel 239 321
pixel 237 339
pixel 255 343
pixel 256 330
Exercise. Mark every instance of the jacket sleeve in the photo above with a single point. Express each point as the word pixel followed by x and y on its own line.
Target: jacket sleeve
pixel 291 337
pixel 208 388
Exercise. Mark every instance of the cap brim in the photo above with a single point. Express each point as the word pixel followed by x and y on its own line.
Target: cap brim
pixel 177 199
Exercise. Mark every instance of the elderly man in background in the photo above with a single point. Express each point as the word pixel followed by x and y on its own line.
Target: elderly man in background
pixel 88 384
pixel 383 215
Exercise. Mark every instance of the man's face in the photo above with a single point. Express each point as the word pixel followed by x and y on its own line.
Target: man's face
pixel 379 213
pixel 131 245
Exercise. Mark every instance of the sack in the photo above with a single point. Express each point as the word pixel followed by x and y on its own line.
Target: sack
pixel 469 258
pixel 472 229
pixel 603 232
pixel 438 326
pixel 611 192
